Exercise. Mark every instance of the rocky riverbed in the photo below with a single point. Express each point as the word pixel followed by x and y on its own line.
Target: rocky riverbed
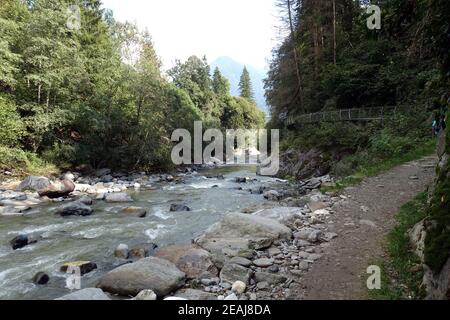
pixel 218 234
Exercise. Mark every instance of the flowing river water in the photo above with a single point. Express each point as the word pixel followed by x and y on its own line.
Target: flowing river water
pixel 94 238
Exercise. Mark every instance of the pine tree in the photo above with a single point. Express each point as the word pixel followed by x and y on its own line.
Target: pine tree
pixel 221 85
pixel 245 86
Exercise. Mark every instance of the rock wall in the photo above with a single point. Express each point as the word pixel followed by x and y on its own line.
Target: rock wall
pixel 304 164
pixel 431 237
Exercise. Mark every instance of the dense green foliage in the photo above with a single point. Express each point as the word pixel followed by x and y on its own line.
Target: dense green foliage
pixel 342 64
pixel 91 90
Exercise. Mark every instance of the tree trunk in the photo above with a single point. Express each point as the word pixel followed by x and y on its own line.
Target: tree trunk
pixel 334 32
pixel 296 55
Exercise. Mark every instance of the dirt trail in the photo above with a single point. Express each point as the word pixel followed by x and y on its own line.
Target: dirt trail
pixel 362 222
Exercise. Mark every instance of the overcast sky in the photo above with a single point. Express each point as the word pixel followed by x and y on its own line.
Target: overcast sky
pixel 242 29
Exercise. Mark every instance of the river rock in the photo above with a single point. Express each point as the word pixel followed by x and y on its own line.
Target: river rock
pixel 242 180
pixel 239 287
pixel 308 234
pixel 136 212
pixel 102 172
pixel 241 261
pixel 146 295
pixel 271 278
pixel 57 189
pixel 34 183
pixel 272 195
pixel 107 178
pixel 84 267
pixel 284 215
pixel 122 251
pixel 89 294
pixel 74 209
pixel 194 262
pixel 233 272
pixel 179 207
pixel 239 232
pixel 263 262
pixel 155 274
pixel 143 251
pixel 41 278
pixel 231 297
pixel 195 295
pixel 118 197
pixel 317 205
pixel 86 200
pixel 21 241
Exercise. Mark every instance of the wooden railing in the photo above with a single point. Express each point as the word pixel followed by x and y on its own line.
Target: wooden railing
pixel 362 114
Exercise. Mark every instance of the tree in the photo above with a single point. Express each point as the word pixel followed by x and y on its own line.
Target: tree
pixel 220 84
pixel 245 86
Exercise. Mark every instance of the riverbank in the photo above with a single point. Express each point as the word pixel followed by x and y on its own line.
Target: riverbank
pixel 119 223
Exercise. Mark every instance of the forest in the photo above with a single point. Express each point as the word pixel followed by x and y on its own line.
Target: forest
pixel 93 92
pixel 330 60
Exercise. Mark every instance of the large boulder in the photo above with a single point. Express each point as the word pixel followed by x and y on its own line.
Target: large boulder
pixel 240 232
pixel 155 274
pixel 193 261
pixel 57 189
pixel 34 183
pixel 74 209
pixel 89 294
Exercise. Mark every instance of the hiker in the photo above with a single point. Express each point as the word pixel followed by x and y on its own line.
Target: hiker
pixel 435 125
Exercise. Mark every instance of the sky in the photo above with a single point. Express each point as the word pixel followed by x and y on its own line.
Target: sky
pixel 244 30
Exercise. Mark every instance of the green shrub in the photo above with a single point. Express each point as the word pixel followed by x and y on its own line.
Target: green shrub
pixel 11 158
pixel 11 126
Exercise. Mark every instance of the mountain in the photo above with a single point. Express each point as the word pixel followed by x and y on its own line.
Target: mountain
pixel 232 70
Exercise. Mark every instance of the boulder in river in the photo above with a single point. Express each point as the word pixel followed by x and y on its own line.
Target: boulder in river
pixel 179 207
pixel 122 251
pixel 142 251
pixel 57 189
pixel 89 294
pixel 156 274
pixel 241 233
pixel 83 266
pixel 74 209
pixel 272 195
pixel 136 212
pixel 86 200
pixel 21 241
pixel 41 278
pixel 34 183
pixel 118 197
pixel 194 262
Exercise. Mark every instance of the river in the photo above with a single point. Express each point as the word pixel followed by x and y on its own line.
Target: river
pixel 94 238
